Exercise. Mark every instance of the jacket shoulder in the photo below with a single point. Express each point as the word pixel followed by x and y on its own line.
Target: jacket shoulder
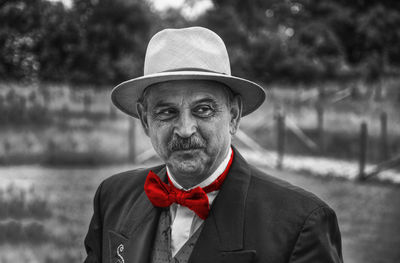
pixel 302 227
pixel 291 202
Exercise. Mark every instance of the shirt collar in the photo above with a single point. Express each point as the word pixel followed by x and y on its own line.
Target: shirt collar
pixel 209 179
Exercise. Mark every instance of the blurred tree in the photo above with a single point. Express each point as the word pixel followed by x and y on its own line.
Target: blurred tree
pixel 115 35
pixel 311 39
pixel 379 33
pixel 320 46
pixel 19 32
pixel 104 41
pixel 95 41
pixel 60 38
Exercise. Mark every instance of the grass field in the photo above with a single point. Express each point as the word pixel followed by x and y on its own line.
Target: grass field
pixel 48 212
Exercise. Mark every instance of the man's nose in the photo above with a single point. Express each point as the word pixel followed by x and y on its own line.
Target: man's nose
pixel 186 126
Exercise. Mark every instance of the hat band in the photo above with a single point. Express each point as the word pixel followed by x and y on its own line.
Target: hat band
pixel 193 69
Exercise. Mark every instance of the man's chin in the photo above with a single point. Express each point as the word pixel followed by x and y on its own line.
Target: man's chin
pixel 186 165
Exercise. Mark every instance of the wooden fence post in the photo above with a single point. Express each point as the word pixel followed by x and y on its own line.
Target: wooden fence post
pixel 321 93
pixel 87 102
pixel 7 146
pixel 384 143
pixel 363 151
pixel 280 130
pixel 4 110
pixel 320 116
pixel 320 126
pixel 131 140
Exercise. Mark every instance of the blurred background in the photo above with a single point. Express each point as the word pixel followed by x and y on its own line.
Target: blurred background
pixel 331 122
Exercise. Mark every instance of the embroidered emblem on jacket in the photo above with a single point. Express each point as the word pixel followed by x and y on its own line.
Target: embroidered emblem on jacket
pixel 120 249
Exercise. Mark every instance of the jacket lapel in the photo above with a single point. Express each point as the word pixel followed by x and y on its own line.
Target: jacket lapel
pixel 133 240
pixel 221 239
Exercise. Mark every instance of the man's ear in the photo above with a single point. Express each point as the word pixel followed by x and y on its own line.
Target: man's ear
pixel 236 113
pixel 142 112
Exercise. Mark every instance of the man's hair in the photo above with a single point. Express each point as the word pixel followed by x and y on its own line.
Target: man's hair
pixel 143 98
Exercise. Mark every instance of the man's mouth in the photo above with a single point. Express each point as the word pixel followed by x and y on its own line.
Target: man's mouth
pixel 187 153
pixel 188 150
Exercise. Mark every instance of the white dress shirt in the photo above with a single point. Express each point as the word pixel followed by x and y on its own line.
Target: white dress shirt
pixel 184 222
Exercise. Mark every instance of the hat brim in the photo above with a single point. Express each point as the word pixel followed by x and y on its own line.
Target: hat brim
pixel 125 95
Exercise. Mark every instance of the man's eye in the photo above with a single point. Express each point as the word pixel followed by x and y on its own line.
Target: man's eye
pixel 165 113
pixel 203 110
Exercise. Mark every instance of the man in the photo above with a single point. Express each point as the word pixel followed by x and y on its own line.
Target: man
pixel 205 204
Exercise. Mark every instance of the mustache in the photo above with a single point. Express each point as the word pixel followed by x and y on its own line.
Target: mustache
pixel 178 143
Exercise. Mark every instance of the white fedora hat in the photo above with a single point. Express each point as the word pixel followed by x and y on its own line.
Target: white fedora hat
pixel 180 54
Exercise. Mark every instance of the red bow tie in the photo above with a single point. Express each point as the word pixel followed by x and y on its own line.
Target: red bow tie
pixel 161 194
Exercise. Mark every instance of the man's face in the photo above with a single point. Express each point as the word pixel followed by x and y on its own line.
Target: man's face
pixel 190 123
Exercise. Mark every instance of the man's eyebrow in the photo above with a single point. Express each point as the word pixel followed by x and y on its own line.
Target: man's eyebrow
pixel 205 100
pixel 160 104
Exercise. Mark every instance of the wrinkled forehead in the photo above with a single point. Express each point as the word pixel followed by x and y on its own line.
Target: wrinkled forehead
pixel 187 91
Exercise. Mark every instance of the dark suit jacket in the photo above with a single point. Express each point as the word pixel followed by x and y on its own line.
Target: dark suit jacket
pixel 254 218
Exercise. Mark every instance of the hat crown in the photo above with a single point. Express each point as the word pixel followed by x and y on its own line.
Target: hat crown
pixel 193 48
